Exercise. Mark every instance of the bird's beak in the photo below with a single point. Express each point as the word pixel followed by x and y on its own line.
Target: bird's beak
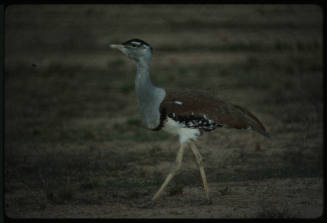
pixel 116 46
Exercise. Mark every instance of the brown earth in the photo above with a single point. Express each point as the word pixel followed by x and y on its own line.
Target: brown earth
pixel 75 146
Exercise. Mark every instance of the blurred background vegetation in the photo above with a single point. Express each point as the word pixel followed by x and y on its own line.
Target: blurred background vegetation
pixel 72 128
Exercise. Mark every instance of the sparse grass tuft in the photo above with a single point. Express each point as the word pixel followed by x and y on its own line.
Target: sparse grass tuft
pixel 274 213
pixel 133 122
pixel 176 189
pixel 61 194
pixel 66 193
pixel 116 62
pixel 89 183
pixel 271 210
pixel 126 87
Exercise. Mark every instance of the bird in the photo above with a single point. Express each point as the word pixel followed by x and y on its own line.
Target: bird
pixel 186 113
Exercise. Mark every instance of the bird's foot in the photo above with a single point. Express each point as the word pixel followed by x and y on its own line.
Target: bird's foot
pixel 209 201
pixel 205 202
pixel 147 204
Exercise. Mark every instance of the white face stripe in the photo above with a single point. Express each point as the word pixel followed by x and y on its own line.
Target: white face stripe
pixel 136 43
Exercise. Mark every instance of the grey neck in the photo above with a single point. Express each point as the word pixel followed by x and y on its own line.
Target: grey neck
pixel 149 96
pixel 142 80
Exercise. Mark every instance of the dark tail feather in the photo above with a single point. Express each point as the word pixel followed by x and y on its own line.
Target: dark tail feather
pixel 255 124
pixel 264 133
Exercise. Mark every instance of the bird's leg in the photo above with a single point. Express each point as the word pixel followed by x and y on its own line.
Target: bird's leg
pixel 173 171
pixel 199 159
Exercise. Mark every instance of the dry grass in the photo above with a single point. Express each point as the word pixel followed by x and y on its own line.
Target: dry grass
pixel 74 142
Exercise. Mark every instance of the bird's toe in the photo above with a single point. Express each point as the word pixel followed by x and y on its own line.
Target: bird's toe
pixel 209 201
pixel 147 204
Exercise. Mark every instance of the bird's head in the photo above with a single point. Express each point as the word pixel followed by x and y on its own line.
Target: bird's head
pixel 135 49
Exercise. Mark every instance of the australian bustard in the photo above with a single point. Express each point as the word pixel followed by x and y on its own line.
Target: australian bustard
pixel 182 112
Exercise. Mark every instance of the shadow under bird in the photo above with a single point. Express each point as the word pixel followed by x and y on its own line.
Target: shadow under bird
pixel 182 112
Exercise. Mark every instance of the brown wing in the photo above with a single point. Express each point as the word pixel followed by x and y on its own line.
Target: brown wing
pixel 186 104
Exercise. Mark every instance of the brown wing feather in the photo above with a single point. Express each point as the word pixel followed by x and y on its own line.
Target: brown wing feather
pixel 199 103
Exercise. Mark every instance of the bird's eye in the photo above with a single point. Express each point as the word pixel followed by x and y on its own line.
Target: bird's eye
pixel 134 45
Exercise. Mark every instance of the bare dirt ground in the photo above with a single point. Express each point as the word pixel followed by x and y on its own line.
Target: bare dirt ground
pixel 75 146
